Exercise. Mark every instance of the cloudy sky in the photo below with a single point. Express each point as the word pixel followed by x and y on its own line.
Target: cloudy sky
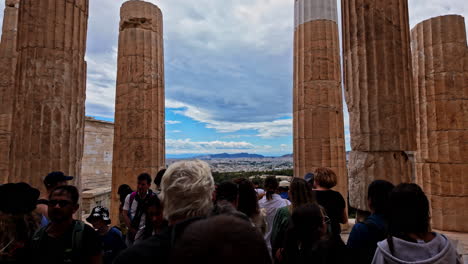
pixel 228 70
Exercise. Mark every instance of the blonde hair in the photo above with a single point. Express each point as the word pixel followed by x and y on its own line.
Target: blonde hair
pixel 325 177
pixel 186 190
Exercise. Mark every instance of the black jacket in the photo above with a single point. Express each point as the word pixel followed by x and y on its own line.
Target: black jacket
pixel 156 248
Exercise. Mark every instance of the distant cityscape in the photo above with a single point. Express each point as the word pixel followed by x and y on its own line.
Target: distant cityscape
pixel 243 162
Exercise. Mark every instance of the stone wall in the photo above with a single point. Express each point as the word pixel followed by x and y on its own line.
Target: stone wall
pixel 96 170
pixel 95 197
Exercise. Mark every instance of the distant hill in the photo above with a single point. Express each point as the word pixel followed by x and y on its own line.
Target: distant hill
pixel 287 156
pixel 229 156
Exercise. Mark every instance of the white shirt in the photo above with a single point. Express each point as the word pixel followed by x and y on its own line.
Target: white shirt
pixel 132 211
pixel 271 206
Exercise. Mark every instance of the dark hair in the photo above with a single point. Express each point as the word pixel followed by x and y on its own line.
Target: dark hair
pixel 123 191
pixel 271 186
pixel 305 228
pixel 71 190
pixel 408 212
pixel 227 191
pixel 225 239
pixel 145 177
pixel 248 202
pixel 257 181
pixel 378 194
pixel 154 200
pixel 300 193
pixel 158 178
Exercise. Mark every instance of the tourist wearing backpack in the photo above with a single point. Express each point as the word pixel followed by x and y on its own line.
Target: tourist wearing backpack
pixel 134 209
pixel 364 237
pixel 65 240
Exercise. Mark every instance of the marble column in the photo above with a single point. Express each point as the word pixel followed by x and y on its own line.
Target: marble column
pixel 8 57
pixel 379 93
pixel 139 135
pixel 440 72
pixel 318 100
pixel 50 90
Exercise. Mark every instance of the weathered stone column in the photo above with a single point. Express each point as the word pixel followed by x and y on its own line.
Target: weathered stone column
pixel 8 56
pixel 377 70
pixel 50 85
pixel 139 111
pixel 318 101
pixel 440 72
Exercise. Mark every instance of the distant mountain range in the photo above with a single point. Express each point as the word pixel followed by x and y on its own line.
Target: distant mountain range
pixel 225 156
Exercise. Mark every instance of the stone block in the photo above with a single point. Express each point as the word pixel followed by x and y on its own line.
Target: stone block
pixel 365 167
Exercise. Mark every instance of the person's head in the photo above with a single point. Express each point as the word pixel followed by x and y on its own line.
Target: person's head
pixel 378 194
pixel 158 178
pixel 63 203
pixel 186 190
pixel 308 225
pixel 271 186
pixel 325 178
pixel 248 202
pixel 144 183
pixel 18 198
pixel 154 212
pixel 227 191
pixel 99 217
pixel 123 191
pixel 221 239
pixel 56 178
pixel 17 220
pixel 284 186
pixel 257 183
pixel 300 193
pixel 408 211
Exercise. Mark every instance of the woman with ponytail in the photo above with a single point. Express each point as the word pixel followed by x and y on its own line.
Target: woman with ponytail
pixel 270 203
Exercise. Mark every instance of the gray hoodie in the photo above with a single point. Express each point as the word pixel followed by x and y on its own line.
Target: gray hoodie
pixel 438 251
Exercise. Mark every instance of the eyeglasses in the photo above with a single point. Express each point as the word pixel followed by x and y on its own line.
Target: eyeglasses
pixel 326 220
pixel 61 203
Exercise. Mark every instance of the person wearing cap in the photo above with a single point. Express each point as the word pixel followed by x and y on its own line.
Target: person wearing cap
pixel 309 178
pixel 284 189
pixel 17 221
pixel 51 181
pixel 111 237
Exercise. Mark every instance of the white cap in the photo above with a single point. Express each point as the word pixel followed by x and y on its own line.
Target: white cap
pixel 284 184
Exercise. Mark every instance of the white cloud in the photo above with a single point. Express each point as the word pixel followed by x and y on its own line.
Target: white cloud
pixel 175 131
pixel 187 146
pixel 273 129
pixel 172 122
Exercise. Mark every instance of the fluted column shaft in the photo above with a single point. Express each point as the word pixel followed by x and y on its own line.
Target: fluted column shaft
pixel 318 101
pixel 49 111
pixel 377 69
pixel 8 56
pixel 440 72
pixel 139 136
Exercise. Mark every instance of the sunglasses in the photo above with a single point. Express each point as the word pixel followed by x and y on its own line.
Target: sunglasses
pixel 61 203
pixel 326 220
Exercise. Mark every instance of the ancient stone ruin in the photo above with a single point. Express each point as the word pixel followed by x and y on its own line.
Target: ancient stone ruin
pixel 8 56
pixel 318 101
pixel 377 76
pixel 139 110
pixel 440 72
pixel 49 94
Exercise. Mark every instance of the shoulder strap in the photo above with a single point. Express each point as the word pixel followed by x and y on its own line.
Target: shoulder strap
pixel 38 236
pixel 77 236
pixel 132 198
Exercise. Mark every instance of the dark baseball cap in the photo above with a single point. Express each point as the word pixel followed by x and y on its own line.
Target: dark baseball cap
pixel 55 177
pixel 309 177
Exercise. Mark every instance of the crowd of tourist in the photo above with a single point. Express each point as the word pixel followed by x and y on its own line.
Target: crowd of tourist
pixel 190 219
